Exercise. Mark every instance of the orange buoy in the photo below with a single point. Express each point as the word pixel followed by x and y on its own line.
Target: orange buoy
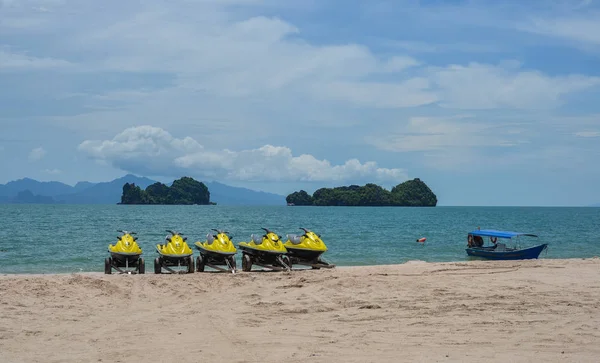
pixel 422 240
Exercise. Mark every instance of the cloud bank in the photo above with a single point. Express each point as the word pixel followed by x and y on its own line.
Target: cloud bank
pixel 153 151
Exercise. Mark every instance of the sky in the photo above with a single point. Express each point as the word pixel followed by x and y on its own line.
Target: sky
pixel 489 103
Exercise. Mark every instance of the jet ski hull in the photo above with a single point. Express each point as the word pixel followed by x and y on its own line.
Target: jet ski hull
pixel 214 259
pixel 168 261
pixel 174 258
pixel 130 258
pixel 214 254
pixel 131 263
pixel 257 252
pixel 274 260
pixel 303 253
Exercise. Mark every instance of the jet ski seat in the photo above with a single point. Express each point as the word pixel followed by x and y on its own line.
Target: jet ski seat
pixel 295 239
pixel 210 238
pixel 257 238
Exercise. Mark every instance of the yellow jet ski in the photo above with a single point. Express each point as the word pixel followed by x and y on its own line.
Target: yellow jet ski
pixel 217 250
pixel 266 251
pixel 306 249
pixel 125 253
pixel 175 252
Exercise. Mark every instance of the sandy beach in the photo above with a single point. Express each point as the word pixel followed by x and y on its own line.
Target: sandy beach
pixel 524 311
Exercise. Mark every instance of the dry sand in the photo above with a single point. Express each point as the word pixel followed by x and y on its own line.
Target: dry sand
pixel 526 311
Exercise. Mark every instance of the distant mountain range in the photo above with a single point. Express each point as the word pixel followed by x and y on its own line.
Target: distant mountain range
pixel 32 191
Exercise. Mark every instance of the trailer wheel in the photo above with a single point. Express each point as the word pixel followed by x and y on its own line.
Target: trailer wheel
pixel 141 266
pixel 190 266
pixel 157 267
pixel 107 266
pixel 246 262
pixel 200 263
pixel 232 262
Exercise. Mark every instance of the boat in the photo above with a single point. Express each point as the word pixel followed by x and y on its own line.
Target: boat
pixel 498 250
pixel 216 251
pixel 306 249
pixel 175 252
pixel 265 250
pixel 125 255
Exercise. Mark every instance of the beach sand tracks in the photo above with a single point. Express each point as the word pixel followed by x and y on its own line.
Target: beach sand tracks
pixel 428 312
pixel 99 287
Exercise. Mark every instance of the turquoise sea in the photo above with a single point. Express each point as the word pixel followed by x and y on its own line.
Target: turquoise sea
pixel 74 238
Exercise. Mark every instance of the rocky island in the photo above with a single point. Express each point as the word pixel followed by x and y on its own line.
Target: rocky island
pixel 411 193
pixel 184 191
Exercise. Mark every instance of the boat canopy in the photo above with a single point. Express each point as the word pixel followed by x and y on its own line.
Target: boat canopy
pixel 499 234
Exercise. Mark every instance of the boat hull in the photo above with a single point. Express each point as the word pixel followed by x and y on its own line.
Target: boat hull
pixel 517 254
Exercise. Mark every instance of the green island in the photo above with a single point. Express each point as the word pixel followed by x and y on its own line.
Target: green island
pixel 411 193
pixel 185 191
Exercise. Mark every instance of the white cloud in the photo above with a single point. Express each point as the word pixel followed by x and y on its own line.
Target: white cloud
pixel 482 86
pixel 588 134
pixel 231 56
pixel 150 149
pixel 446 133
pixel 153 151
pixel 428 47
pixel 579 28
pixel 400 63
pixel 37 154
pixel 379 95
pixel 225 55
pixel 451 143
pixel 14 61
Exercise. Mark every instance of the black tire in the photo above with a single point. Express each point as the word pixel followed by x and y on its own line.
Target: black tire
pixel 246 263
pixel 108 266
pixel 141 266
pixel 157 266
pixel 287 261
pixel 232 262
pixel 200 263
pixel 190 266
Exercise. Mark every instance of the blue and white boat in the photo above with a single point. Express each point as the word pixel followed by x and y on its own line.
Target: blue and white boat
pixel 499 250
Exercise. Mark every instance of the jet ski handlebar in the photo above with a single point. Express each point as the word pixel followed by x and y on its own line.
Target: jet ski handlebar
pixel 219 231
pixel 269 231
pixel 306 231
pixel 125 232
pixel 173 232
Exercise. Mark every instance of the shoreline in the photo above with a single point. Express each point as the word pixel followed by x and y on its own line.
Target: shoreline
pixel 299 269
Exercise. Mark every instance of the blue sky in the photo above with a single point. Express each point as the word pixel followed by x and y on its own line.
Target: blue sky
pixel 489 103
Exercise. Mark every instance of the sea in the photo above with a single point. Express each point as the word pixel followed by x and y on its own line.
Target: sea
pixel 37 239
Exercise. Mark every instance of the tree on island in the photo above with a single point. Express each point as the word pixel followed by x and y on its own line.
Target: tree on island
pixel 411 193
pixel 299 198
pixel 185 190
